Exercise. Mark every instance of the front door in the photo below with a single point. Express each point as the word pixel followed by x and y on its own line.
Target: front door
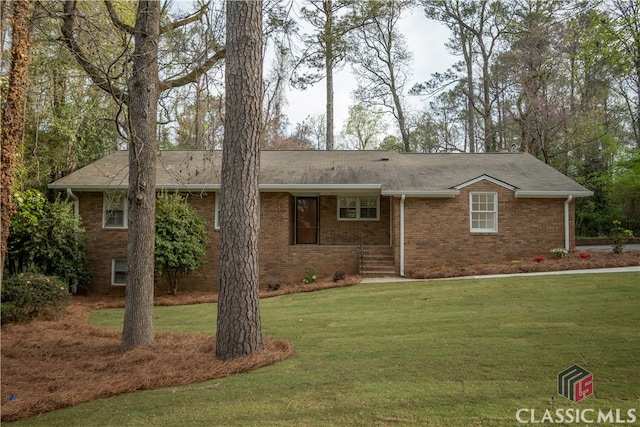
pixel 306 220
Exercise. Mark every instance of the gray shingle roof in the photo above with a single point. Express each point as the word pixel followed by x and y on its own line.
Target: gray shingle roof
pixel 333 171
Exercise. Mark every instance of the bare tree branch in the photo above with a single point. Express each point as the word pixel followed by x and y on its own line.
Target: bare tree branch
pixel 102 78
pixel 185 21
pixel 95 74
pixel 194 74
pixel 116 20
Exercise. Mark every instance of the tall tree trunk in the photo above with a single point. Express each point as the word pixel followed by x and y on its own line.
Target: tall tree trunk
pixel 489 133
pixel 143 106
pixel 467 50
pixel 402 123
pixel 238 330
pixel 12 114
pixel 329 62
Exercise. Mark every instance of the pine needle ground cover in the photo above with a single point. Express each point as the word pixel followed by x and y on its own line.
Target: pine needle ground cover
pixel 438 353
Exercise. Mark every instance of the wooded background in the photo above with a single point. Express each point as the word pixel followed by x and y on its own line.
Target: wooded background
pixel 557 79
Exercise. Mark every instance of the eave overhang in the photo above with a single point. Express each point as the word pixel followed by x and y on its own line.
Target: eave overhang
pixel 414 193
pixel 325 189
pixel 293 188
pixel 528 194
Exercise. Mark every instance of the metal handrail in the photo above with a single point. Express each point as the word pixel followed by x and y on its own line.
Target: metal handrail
pixel 361 252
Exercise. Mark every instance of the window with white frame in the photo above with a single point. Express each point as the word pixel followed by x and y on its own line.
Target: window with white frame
pixel 118 271
pixel 483 212
pixel 114 210
pixel 359 208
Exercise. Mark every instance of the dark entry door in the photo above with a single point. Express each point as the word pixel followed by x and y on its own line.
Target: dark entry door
pixel 306 220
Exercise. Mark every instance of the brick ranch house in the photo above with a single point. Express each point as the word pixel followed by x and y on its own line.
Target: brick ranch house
pixel 367 212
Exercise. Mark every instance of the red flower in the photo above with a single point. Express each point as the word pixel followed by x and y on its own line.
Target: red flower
pixel 539 258
pixel 584 255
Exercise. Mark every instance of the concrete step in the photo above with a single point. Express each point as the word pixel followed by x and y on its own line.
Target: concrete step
pixel 378 261
pixel 381 273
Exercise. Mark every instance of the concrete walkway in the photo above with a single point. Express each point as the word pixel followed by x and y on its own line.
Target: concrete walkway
pixel 633 269
pixel 604 248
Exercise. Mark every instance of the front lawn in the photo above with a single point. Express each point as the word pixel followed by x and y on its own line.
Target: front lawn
pixel 439 353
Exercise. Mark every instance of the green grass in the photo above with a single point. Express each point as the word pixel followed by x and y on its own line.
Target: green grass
pixel 440 353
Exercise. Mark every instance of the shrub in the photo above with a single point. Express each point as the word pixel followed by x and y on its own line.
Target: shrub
pixel 339 275
pixel 28 296
pixel 539 258
pixel 584 255
pixel 619 237
pixel 559 252
pixel 310 276
pixel 181 238
pixel 46 238
pixel 273 286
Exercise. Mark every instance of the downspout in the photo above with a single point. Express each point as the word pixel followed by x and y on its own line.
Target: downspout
pixel 76 202
pixel 402 236
pixel 566 223
pixel 76 212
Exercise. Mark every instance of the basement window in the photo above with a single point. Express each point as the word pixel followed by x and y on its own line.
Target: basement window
pixel 119 272
pixel 483 212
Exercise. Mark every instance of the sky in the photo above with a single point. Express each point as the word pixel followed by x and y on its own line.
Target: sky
pixel 426 40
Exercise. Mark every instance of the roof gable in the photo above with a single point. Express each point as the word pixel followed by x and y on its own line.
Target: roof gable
pixel 485 177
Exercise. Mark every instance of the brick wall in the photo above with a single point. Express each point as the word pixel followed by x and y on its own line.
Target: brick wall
pixel 335 232
pixel 280 260
pixel 104 243
pixel 437 231
pixel 283 262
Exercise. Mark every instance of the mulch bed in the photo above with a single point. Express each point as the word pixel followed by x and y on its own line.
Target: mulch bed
pixel 48 365
pixel 572 261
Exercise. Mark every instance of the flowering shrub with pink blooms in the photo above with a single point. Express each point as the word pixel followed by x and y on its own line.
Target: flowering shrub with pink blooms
pixel 539 258
pixel 584 255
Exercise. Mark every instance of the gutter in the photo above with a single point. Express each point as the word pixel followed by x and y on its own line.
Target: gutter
pixel 566 223
pixel 320 187
pixel 402 236
pixel 436 193
pixel 552 194
pixel 343 188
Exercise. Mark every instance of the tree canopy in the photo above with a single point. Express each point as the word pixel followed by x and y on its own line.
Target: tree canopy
pixel 558 79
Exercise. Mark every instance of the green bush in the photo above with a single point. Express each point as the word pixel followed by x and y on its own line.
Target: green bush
pixel 619 237
pixel 28 296
pixel 47 238
pixel 181 238
pixel 310 276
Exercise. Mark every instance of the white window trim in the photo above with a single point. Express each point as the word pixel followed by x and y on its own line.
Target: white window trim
pixel 494 229
pixel 358 218
pixel 113 271
pixel 106 196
